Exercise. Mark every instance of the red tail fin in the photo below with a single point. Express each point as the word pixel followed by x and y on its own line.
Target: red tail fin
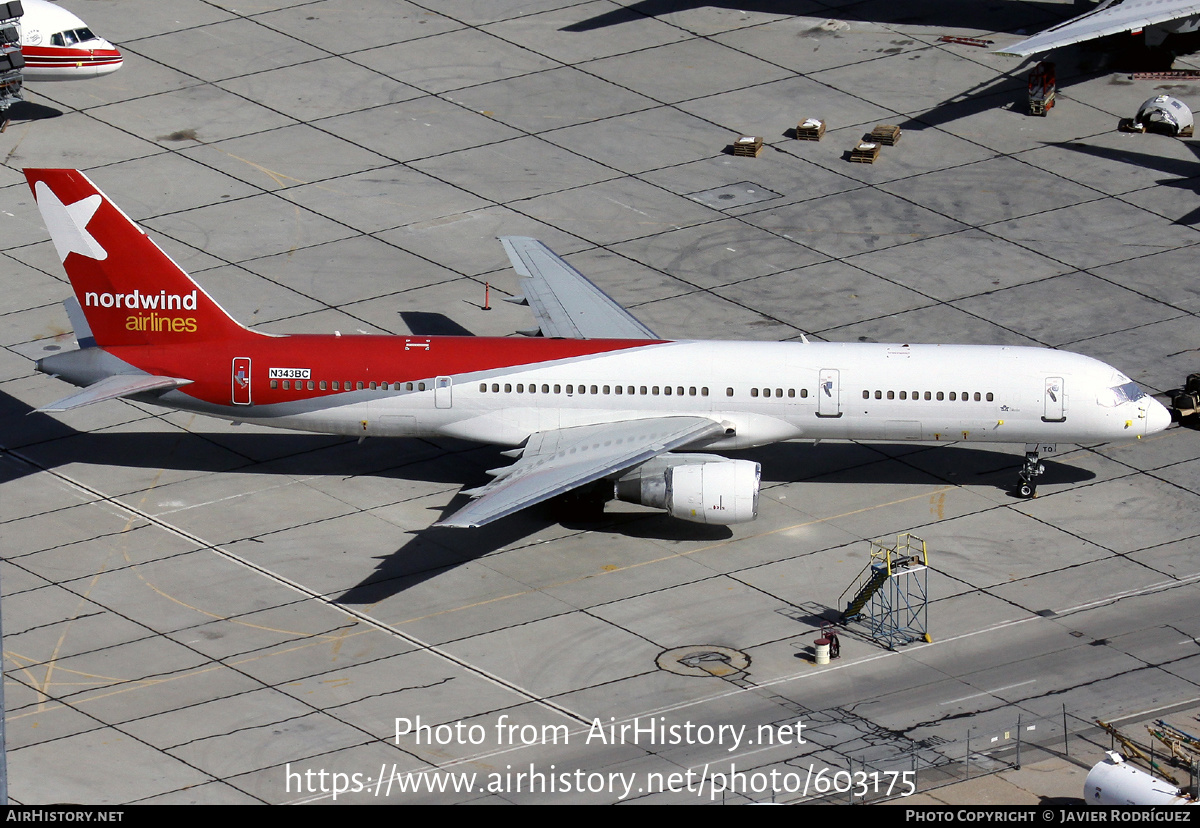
pixel 130 291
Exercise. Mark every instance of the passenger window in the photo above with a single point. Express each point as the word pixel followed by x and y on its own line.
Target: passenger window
pixel 420 386
pixel 323 383
pixel 941 396
pixel 976 396
pixel 557 388
pixel 753 392
pixel 904 395
pixel 879 395
pixel 642 390
pixel 667 390
pixel 570 389
pixel 951 396
pixel 287 384
pixel 374 386
pixel 654 391
pixel 274 383
pixel 866 395
pixel 545 388
pixel 728 392
pixel 989 396
pixel 507 388
pixel 310 385
pixel 929 396
pixel 803 392
pixel 704 391
pixel 891 395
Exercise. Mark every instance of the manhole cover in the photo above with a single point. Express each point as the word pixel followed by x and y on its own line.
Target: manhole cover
pixel 734 195
pixel 704 660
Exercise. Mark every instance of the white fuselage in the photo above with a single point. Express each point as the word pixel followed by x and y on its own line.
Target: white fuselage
pixel 764 392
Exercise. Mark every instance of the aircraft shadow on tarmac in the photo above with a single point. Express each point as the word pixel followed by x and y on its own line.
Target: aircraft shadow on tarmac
pixel 1185 174
pixel 1011 16
pixel 39 441
pixel 29 111
pixel 1075 64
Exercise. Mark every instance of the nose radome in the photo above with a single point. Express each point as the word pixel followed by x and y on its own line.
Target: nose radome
pixel 1157 417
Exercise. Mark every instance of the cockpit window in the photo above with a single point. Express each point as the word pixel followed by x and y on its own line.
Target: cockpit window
pixel 71 37
pixel 1129 392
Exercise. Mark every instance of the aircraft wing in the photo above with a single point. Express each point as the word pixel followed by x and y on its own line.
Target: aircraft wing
pixel 109 388
pixel 1110 18
pixel 565 303
pixel 555 462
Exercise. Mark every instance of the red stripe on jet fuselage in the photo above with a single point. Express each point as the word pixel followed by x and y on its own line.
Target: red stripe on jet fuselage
pixel 352 359
pixel 55 56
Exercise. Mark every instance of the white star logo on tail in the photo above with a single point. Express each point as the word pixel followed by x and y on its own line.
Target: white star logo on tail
pixel 68 223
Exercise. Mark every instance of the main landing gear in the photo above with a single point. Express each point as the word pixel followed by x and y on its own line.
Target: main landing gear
pixel 1033 469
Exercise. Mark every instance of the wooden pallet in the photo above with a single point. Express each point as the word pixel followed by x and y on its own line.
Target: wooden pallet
pixel 885 134
pixel 966 41
pixel 865 153
pixel 748 146
pixel 1175 74
pixel 810 129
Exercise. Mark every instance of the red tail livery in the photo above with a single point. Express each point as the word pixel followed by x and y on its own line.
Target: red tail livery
pixel 130 291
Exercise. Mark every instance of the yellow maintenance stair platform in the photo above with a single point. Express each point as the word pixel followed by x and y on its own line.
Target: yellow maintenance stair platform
pixel 891 594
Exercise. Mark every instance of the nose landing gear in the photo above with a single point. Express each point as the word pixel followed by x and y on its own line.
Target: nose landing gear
pixel 1033 469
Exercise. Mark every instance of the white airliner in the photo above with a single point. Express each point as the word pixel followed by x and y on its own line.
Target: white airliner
pixel 58 46
pixel 1155 18
pixel 598 401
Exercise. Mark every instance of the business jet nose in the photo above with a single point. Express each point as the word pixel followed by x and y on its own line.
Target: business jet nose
pixel 1157 417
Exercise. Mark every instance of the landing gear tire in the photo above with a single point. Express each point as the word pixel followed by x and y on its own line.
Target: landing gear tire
pixel 1026 490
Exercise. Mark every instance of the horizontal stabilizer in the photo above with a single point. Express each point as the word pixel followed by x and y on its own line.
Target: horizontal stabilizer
pixel 110 388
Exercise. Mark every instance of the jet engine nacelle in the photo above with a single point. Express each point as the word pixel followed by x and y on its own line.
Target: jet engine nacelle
pixel 702 488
